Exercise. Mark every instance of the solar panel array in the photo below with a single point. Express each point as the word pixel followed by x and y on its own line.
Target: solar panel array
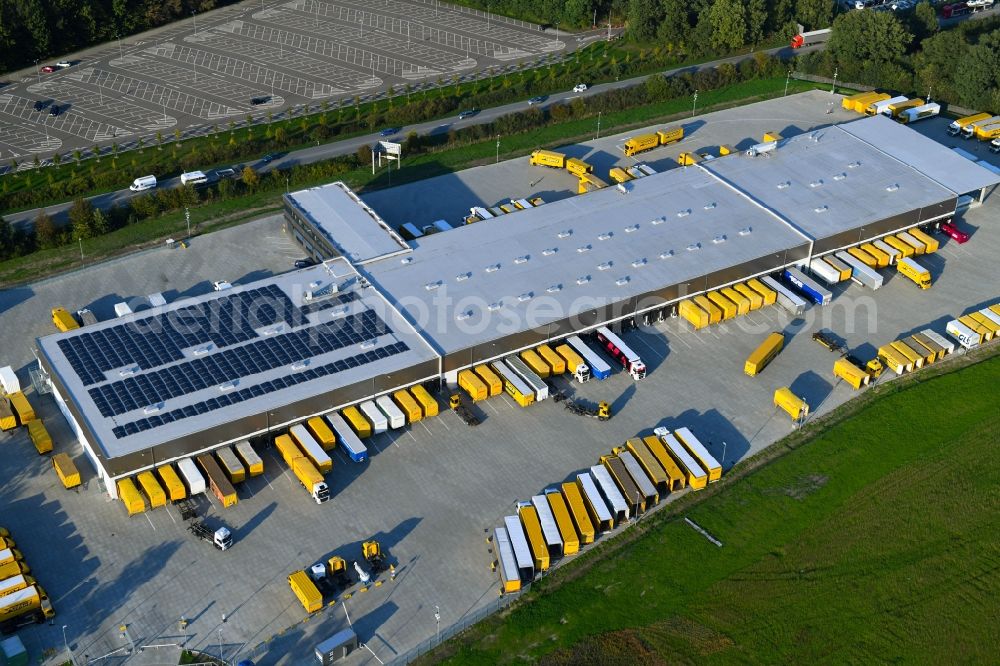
pixel 157 340
pixel 151 388
pixel 234 397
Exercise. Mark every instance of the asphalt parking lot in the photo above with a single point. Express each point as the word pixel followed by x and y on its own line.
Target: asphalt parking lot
pixel 203 72
pixel 430 490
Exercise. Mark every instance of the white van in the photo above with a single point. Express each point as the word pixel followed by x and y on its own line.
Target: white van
pixel 193 178
pixel 143 183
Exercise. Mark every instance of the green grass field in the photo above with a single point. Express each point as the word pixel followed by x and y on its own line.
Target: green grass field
pixel 876 541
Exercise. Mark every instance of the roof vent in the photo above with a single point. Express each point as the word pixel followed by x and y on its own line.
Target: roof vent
pixel 134 370
pixel 432 285
pixel 152 409
pixel 493 307
pixel 203 350
pixel 710 206
pixel 526 296
pixel 719 239
pixel 624 188
pixel 406 260
pixel 605 236
pixel 549 252
pixel 300 365
pixel 854 165
pixel 658 220
pixel 666 254
pixel 892 188
pixel 521 260
pixel 638 262
pixel 554 288
pixel 462 316
pixel 631 228
pixel 816 183
pixel 583 279
pixel 228 386
pixel 462 277
pixel 694 246
pixel 783 184
pixel 684 213
pixel 821 209
pixel 745 231
pixel 583 248
pixel 605 266
pixel 493 268
pixel 367 344
pixel 622 281
pixel 840 176
pixel 566 233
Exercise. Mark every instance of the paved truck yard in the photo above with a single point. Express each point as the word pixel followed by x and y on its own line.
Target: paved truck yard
pixel 430 490
pixel 281 54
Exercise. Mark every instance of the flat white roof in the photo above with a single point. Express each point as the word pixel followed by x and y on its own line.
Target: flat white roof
pixel 348 223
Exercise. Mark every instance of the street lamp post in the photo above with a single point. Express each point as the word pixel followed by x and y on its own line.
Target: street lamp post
pixel 187 218
pixel 437 620
pixel 834 88
pixel 723 455
pixel 787 76
pixel 121 52
pixel 694 104
pixel 498 149
pixel 194 17
pixel 598 125
pixel 66 643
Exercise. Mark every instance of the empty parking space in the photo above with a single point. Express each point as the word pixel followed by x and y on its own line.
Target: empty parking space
pixel 282 54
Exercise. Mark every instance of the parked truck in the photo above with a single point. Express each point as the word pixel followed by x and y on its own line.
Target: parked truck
pixel 850 373
pixel 786 298
pixel 221 538
pixel 764 353
pixel 971 130
pixel 813 290
pixel 914 271
pixel 548 158
pixel 303 469
pixel 217 481
pixel 644 142
pixel 574 363
pixel 811 37
pixel 879 107
pixel 618 350
pixel 599 369
pixel 312 449
pixel 23 606
pixel 956 126
pixel 916 113
pixel 349 440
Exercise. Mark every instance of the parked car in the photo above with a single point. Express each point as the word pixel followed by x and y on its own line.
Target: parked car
pixel 304 263
pixel 40 105
pixel 63 64
pixel 390 131
pixel 48 69
pixel 257 101
pixel 54 110
pixel 954 233
pixel 580 87
pixel 267 159
pixel 468 113
pixel 537 100
pixel 225 173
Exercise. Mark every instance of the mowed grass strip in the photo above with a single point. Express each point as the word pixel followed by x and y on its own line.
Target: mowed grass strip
pixel 877 541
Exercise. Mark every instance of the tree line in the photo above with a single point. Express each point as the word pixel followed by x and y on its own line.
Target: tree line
pixel 38 29
pixel 910 54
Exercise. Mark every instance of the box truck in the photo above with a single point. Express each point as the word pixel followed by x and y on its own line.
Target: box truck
pixel 469 381
pixel 609 491
pixel 253 463
pixel 358 422
pixel 957 125
pixel 618 350
pixel 535 363
pixel 695 475
pixel 513 384
pixel 560 511
pixel 534 382
pixel 306 591
pixel 574 363
pixel 578 511
pixel 395 415
pixel 756 300
pixel 494 385
pixel 598 368
pixel 536 540
pixel 510 574
pixel 303 469
pixel 171 483
pixel 522 550
pixel 550 529
pixel 321 432
pixel 861 272
pixel 690 311
pixel 825 271
pixel 231 465
pixel 914 271
pixel 850 373
pixel 556 363
pixel 700 453
pixel 548 158
pixel 427 402
pixel 650 467
pixel 598 510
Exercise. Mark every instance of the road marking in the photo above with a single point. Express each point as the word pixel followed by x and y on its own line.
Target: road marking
pixel 150 521
pixel 650 348
pixel 267 480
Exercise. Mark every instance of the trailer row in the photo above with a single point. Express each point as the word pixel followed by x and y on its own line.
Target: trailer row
pixel 22 599
pixel 726 303
pixel 217 471
pixel 410 231
pixel 899 108
pixel 629 481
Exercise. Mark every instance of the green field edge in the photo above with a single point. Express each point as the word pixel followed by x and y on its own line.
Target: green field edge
pixel 786 446
pixel 217 215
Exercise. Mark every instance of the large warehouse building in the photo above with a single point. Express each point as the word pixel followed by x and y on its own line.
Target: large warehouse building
pixel 379 314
